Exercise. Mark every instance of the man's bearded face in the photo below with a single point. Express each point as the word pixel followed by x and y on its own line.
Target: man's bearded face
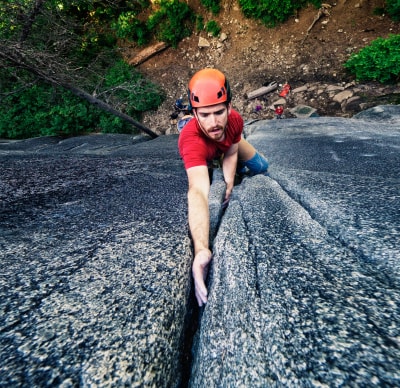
pixel 213 120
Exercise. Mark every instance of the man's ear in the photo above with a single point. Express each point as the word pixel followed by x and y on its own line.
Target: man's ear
pixel 229 107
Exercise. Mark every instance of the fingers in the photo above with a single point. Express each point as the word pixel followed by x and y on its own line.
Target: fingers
pixel 199 271
pixel 228 191
pixel 225 203
pixel 201 293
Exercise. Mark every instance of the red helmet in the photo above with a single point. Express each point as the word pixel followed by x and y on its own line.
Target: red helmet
pixel 208 87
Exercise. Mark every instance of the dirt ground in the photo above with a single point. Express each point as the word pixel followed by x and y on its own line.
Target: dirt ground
pixel 253 55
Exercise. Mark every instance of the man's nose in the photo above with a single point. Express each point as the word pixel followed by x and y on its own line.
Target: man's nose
pixel 213 120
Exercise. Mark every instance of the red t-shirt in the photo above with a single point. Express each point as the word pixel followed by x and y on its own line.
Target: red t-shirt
pixel 196 149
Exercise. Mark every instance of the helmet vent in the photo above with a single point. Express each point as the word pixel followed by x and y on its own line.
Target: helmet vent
pixel 221 93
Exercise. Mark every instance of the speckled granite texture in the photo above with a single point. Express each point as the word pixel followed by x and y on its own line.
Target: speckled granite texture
pixel 305 286
pixel 304 289
pixel 95 263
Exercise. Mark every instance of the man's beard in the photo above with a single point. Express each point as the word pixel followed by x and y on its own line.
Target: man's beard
pixel 217 133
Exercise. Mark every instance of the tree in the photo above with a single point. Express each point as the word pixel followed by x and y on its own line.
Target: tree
pixel 62 43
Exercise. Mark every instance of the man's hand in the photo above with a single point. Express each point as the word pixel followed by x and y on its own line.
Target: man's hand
pixel 200 269
pixel 228 192
pixel 229 164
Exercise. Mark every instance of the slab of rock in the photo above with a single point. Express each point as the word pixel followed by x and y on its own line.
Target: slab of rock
pixel 303 286
pixel 223 37
pixel 95 262
pixel 334 88
pixel 300 89
pixel 203 43
pixel 386 113
pixel 302 111
pixel 342 96
pixel 305 277
pixel 352 104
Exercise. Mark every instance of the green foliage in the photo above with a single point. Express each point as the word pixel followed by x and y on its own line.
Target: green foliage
pixel 273 12
pixel 75 42
pixel 123 83
pixel 379 11
pixel 393 9
pixel 72 42
pixel 41 110
pixel 213 28
pixel 99 11
pixel 128 26
pixel 112 124
pixel 172 22
pixel 199 23
pixel 212 5
pixel 380 61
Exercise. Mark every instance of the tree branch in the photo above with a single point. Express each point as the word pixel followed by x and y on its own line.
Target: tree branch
pixel 30 20
pixel 20 59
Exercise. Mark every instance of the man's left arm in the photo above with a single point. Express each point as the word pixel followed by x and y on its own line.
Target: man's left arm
pixel 229 165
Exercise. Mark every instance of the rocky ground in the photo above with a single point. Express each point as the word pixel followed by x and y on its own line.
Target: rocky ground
pixel 307 52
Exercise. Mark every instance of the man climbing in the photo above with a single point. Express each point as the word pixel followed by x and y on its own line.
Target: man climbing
pixel 215 132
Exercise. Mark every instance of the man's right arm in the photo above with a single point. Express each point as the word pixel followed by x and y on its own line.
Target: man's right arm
pixel 199 224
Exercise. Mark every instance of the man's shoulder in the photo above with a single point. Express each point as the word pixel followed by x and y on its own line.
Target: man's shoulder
pixel 235 123
pixel 235 115
pixel 190 128
pixel 190 134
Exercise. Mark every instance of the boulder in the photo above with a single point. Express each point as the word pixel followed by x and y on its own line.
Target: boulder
pixel 203 43
pixel 95 262
pixel 303 111
pixel 342 96
pixel 300 265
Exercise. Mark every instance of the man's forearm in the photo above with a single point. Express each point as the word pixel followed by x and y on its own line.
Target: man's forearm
pixel 199 223
pixel 229 169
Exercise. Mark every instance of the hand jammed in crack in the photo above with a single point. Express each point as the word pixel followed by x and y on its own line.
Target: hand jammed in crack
pixel 200 270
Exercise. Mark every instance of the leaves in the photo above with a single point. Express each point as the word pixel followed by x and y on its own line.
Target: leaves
pixel 272 12
pixel 393 9
pixel 50 53
pixel 380 61
pixel 212 5
pixel 172 22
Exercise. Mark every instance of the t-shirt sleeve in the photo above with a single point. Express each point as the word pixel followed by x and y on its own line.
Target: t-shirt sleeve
pixel 192 149
pixel 237 125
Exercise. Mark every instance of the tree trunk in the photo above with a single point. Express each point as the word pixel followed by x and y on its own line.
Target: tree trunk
pixel 147 53
pixel 261 91
pixel 30 20
pixel 17 58
pixel 107 108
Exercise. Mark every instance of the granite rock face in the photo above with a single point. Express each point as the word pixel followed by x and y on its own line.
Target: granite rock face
pixel 95 262
pixel 304 286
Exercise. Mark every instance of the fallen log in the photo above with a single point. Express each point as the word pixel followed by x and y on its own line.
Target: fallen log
pixel 323 11
pixel 147 53
pixel 261 91
pixel 17 58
